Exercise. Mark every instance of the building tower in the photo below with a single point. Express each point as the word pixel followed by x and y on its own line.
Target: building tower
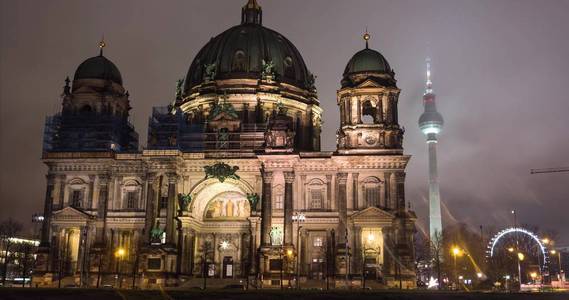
pixel 431 123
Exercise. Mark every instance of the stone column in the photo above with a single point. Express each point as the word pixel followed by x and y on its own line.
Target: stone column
pixel 61 191
pixel 380 109
pixel 289 179
pixel 328 192
pixel 47 208
pixel 150 206
pixel 266 212
pixel 342 207
pixel 355 202
pixel 101 223
pixel 303 192
pixel 393 191
pixel 171 212
pixel 400 186
pixel 91 192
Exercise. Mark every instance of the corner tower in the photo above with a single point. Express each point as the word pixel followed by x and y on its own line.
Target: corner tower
pixel 95 111
pixel 368 106
pixel 431 123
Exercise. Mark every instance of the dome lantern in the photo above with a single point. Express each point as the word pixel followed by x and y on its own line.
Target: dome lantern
pixel 252 13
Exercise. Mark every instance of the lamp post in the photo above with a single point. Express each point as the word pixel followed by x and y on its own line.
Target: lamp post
pixel 119 254
pixel 521 257
pixel 553 252
pixel 456 252
pixel 298 217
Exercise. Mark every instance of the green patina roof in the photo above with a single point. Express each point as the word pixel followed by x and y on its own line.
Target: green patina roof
pixel 367 60
pixel 98 67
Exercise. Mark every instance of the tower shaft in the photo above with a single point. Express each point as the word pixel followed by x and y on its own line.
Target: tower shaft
pixel 435 219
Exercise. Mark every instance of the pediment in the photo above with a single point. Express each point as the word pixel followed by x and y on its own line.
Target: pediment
pixel 372 214
pixel 71 214
pixel 369 83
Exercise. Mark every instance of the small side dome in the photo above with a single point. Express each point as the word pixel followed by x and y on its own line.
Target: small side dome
pixel 367 60
pixel 98 67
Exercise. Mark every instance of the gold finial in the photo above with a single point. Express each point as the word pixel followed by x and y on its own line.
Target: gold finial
pixel 366 37
pixel 102 45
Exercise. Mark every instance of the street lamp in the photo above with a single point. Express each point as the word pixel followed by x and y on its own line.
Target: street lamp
pixel 298 217
pixel 456 252
pixel 119 254
pixel 553 252
pixel 521 257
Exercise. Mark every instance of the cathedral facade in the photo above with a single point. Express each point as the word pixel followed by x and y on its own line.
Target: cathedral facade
pixel 232 183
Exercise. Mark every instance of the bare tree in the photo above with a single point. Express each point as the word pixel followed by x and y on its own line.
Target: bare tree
pixel 8 230
pixel 436 247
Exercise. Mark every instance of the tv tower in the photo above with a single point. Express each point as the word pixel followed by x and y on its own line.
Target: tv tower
pixel 431 124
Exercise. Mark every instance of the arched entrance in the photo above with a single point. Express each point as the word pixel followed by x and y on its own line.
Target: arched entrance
pixel 223 230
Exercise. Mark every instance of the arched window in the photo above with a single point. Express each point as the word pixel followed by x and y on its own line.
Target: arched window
pixel 131 194
pixel 278 197
pixel 288 67
pixel 369 112
pixel 315 192
pixel 77 198
pixel 371 191
pixel 239 62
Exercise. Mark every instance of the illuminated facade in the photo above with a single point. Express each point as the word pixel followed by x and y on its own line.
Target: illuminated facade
pixel 232 183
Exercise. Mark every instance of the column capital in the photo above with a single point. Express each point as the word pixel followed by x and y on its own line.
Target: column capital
pixel 104 179
pixel 173 177
pixel 289 176
pixel 355 176
pixel 329 177
pixel 267 176
pixel 49 177
pixel 342 177
pixel 400 176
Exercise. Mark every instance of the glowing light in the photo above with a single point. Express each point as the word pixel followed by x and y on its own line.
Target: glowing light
pixel 224 245
pixel 433 283
pixel 521 256
pixel 533 275
pixel 289 252
pixel 510 249
pixel 120 252
pixel 456 251
pixel 370 237
pixel 553 251
pixel 479 275
pixel 545 241
pixel 460 277
pixel 431 129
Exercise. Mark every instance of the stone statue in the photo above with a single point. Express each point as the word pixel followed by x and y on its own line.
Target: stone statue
pixel 179 87
pixel 184 201
pixel 253 200
pixel 341 139
pixel 156 234
pixel 209 72
pixel 311 80
pixel 221 171
pixel 267 67
pixel 276 236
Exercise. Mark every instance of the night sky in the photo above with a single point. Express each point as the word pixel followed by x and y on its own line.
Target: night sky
pixel 500 72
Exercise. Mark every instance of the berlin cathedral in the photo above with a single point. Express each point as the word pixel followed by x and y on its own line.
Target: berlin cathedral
pixel 231 185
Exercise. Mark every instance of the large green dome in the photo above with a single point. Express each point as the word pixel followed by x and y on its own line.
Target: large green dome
pixel 238 53
pixel 98 67
pixel 367 60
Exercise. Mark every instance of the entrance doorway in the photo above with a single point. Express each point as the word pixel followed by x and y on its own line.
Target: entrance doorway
pixel 227 267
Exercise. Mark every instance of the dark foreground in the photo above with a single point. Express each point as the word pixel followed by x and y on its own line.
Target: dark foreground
pixel 88 294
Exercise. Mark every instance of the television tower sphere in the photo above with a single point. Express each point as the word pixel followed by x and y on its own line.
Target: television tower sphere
pixel 431 122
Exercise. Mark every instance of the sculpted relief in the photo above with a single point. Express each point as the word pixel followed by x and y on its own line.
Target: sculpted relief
pixel 229 205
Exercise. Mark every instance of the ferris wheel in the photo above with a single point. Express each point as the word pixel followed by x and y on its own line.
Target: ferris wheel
pixel 494 242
